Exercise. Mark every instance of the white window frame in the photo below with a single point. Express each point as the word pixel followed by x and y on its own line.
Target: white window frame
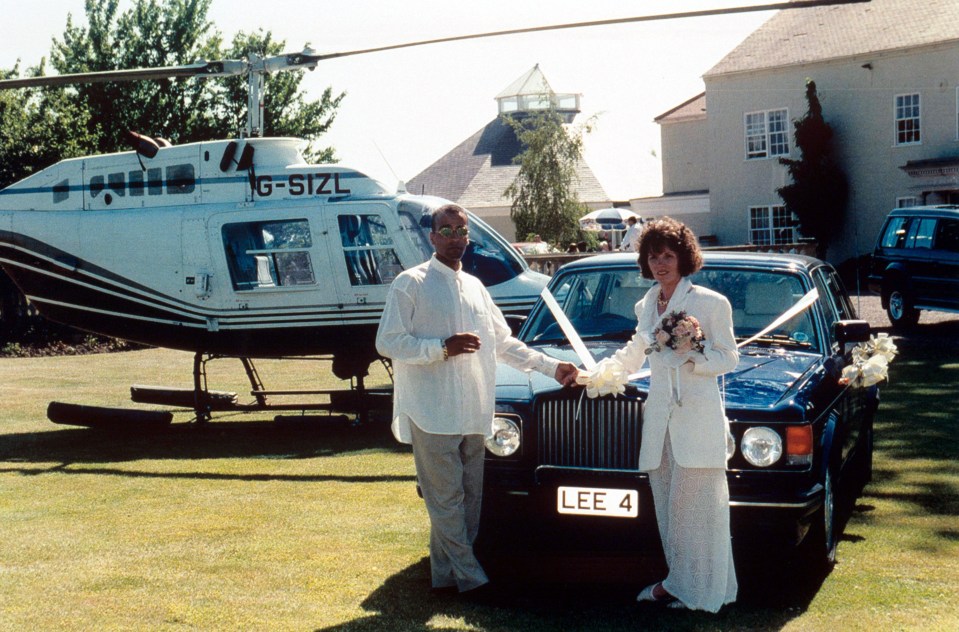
pixel 771 225
pixel 907 107
pixel 907 201
pixel 766 133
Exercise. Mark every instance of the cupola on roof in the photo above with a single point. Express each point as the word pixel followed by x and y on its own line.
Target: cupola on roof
pixel 531 92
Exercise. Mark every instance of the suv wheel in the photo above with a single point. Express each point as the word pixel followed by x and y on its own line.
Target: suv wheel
pixel 902 315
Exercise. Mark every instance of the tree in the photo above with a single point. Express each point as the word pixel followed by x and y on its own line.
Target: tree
pixel 151 34
pixel 544 201
pixel 818 193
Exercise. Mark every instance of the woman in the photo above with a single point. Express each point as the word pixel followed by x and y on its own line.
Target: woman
pixel 684 426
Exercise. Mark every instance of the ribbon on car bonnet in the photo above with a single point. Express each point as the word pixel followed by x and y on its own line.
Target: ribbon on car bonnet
pixel 589 362
pixel 804 303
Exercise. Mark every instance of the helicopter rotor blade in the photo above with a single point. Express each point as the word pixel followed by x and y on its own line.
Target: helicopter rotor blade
pixel 223 68
pixel 796 4
pixel 307 59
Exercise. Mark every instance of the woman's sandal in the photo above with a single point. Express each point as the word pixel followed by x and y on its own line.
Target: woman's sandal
pixel 649 594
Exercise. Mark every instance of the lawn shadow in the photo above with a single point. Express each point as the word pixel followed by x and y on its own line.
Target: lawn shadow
pixel 916 421
pixel 405 603
pixel 179 441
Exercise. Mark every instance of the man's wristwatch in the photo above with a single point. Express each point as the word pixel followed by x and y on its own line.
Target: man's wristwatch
pixel 446 352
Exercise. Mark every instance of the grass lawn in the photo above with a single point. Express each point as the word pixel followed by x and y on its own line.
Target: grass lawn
pixel 244 524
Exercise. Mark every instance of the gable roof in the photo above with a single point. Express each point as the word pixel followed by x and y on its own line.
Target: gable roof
pixel 801 36
pixel 694 108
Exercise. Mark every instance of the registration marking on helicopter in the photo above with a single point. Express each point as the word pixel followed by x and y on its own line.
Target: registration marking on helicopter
pixel 302 184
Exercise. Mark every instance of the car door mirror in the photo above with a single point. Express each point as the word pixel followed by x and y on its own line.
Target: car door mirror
pixel 851 331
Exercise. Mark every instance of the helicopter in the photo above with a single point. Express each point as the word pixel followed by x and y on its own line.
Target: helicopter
pixel 236 248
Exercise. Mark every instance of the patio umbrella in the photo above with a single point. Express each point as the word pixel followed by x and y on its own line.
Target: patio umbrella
pixel 606 219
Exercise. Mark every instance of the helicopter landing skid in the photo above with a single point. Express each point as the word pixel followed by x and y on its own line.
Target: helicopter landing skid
pixel 358 400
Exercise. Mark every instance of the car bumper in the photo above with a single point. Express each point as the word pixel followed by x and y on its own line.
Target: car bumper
pixel 522 510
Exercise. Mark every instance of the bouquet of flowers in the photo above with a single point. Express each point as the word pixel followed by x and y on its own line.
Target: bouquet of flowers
pixel 870 361
pixel 678 331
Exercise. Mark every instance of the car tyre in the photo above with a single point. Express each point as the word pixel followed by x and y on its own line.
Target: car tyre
pixel 820 545
pixel 901 313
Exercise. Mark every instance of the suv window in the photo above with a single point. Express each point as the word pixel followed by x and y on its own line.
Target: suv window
pixel 895 234
pixel 920 233
pixel 947 235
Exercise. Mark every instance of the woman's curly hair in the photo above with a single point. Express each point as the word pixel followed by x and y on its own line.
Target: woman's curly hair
pixel 666 232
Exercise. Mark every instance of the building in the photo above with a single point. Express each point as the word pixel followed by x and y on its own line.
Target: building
pixel 886 75
pixel 476 172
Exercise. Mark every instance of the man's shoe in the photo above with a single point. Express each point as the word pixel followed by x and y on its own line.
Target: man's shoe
pixel 444 591
pixel 485 595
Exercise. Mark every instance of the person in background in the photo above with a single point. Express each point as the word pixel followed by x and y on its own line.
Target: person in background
pixel 444 335
pixel 631 238
pixel 684 425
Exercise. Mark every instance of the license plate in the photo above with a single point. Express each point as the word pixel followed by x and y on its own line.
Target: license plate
pixel 596 501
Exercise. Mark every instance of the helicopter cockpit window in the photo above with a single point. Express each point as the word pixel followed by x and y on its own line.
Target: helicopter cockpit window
pixel 269 254
pixel 368 248
pixel 419 236
pixel 490 259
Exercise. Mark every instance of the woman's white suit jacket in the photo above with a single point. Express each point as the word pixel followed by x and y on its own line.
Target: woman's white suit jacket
pixel 697 426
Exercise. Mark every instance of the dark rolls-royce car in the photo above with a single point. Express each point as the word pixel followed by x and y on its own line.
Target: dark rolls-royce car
pixel 562 468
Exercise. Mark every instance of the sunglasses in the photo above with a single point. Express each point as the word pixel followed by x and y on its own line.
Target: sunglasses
pixel 459 231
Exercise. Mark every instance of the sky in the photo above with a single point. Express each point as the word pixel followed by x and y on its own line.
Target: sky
pixel 405 109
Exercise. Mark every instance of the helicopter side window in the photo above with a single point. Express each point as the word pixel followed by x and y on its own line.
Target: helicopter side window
pixel 269 254
pixel 117 183
pixel 368 250
pixel 155 181
pixel 180 178
pixel 135 179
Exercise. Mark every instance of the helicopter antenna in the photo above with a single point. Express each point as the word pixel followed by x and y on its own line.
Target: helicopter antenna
pixel 256 67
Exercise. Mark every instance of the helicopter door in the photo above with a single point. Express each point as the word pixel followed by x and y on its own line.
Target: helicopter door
pixel 369 260
pixel 195 255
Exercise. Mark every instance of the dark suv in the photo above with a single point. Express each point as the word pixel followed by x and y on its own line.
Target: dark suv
pixel 915 264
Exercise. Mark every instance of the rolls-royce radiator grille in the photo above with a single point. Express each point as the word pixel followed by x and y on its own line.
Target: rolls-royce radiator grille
pixel 591 433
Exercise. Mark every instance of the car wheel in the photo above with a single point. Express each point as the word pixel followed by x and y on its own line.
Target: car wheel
pixel 901 313
pixel 823 537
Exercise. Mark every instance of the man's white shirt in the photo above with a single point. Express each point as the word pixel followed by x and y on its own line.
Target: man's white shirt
pixel 425 306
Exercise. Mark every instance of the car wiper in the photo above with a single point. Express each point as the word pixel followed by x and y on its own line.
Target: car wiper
pixel 623 334
pixel 777 339
pixel 560 340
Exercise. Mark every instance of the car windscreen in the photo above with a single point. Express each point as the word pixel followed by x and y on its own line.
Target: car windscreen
pixel 600 303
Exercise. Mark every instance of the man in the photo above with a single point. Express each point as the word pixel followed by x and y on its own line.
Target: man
pixel 631 238
pixel 444 334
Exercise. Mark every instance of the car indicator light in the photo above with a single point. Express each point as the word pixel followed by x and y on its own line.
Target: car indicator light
pixel 799 445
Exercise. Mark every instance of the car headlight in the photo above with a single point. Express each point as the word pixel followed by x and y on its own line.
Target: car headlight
pixel 761 446
pixel 506 437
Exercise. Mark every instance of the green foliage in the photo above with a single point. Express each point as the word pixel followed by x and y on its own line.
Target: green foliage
pixel 819 190
pixel 544 200
pixel 62 122
pixel 36 132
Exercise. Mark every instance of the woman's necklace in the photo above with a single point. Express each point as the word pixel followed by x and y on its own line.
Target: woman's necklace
pixel 662 301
